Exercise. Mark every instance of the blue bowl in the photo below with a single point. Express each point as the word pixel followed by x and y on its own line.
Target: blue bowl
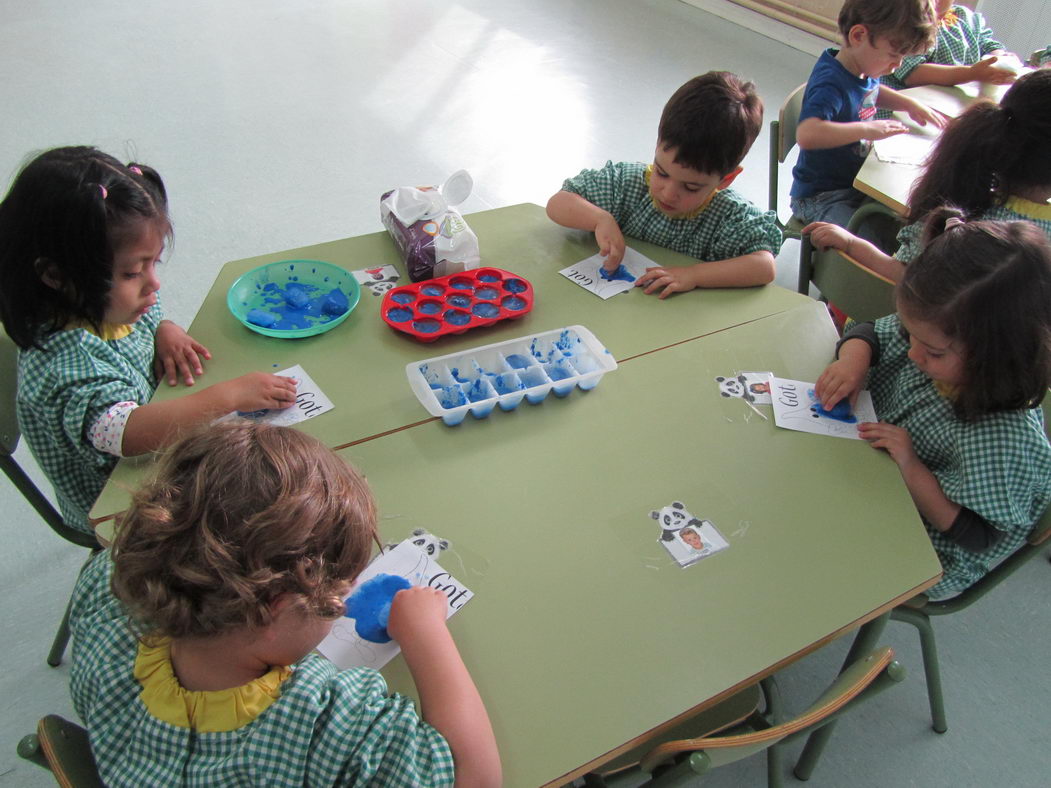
pixel 293 298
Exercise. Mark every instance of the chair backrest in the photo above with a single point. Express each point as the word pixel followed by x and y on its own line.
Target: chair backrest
pixel 783 138
pixel 68 753
pixel 864 678
pixel 858 291
pixel 9 437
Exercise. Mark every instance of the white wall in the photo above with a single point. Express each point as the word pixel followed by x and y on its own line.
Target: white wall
pixel 1022 25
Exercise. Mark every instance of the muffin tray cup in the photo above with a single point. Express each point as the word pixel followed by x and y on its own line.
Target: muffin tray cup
pixel 507 373
pixel 456 303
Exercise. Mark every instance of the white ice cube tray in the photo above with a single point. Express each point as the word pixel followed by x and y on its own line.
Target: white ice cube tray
pixel 504 373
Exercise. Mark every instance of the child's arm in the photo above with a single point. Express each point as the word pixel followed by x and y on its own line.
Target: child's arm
pixel 449 701
pixel 176 352
pixel 893 100
pixel 831 236
pixel 572 210
pixel 749 270
pixel 923 486
pixel 844 376
pixel 153 425
pixel 816 133
pixel 982 71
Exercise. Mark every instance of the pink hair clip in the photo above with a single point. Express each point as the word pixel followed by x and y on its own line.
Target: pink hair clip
pixel 135 169
pixel 105 193
pixel 953 221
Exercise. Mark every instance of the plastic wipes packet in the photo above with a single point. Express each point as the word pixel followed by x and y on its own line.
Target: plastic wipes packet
pixel 431 235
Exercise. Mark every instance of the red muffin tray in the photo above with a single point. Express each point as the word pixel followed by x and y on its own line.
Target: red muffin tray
pixel 456 303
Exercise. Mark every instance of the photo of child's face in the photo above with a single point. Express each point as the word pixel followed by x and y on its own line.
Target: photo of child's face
pixel 692 538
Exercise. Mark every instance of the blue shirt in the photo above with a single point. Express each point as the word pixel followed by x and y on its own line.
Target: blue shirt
pixel 833 93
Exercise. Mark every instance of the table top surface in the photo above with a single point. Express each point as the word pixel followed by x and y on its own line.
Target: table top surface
pixel 584 636
pixel 360 365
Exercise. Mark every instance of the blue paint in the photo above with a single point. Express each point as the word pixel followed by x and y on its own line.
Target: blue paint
pixel 459 300
pixel 506 384
pixel 403 298
pixel 479 390
pixel 429 308
pixel 370 603
pixel 558 372
pixel 487 293
pixel 426 326
pixel 457 317
pixel 399 315
pixel 260 317
pixel 514 286
pixel 432 290
pixel 485 310
pixel 253 414
pixel 488 278
pixel 452 397
pixel 518 361
pixel 620 275
pixel 840 411
pixel 462 284
pixel 335 303
pixel 514 303
pixel 296 296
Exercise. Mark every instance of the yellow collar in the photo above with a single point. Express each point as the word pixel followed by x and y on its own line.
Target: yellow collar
pixel 106 331
pixel 204 712
pixel 947 391
pixel 1033 210
pixel 950 19
pixel 692 214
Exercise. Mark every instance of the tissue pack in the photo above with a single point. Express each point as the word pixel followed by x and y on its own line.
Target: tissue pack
pixel 431 235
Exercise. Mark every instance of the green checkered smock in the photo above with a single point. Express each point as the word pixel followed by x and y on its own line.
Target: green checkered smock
pixel 327 728
pixel 962 44
pixel 62 391
pixel 998 467
pixel 729 226
pixel 1013 210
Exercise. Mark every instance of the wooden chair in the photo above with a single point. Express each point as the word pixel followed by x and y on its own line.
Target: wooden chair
pixel 859 291
pixel 782 140
pixel 62 747
pixel 679 761
pixel 919 610
pixel 9 437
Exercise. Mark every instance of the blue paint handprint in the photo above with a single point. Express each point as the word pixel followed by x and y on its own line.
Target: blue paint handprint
pixel 370 603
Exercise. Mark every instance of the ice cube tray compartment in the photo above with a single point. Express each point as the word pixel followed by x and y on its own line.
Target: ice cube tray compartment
pixel 507 373
pixel 456 303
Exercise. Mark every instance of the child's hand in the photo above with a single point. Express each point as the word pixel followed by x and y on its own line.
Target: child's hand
pixel 842 378
pixel 881 129
pixel 673 280
pixel 610 242
pixel 923 115
pixel 261 391
pixel 416 610
pixel 177 353
pixel 895 440
pixel 824 235
pixel 985 71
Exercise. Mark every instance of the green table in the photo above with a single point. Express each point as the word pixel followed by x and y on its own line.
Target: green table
pixel 583 636
pixel 360 365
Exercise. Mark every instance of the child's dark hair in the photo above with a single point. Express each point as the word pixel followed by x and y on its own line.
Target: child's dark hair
pixel 990 152
pixel 68 212
pixel 238 515
pixel 911 26
pixel 987 286
pixel 712 121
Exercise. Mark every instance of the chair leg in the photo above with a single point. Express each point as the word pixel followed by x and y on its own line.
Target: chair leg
pixel 931 669
pixel 29 748
pixel 58 647
pixel 775 767
pixel 806 266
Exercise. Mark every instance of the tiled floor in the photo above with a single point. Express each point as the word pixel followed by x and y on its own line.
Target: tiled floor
pixel 278 124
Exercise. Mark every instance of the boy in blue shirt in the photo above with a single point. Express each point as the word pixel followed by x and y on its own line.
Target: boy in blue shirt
pixel 682 200
pixel 837 121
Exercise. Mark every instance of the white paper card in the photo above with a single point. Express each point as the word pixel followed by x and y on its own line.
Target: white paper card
pixel 587 273
pixel 310 402
pixel 347 649
pixel 693 542
pixel 377 280
pixel 796 408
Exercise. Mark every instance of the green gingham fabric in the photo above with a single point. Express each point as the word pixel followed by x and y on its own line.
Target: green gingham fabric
pixel 729 226
pixel 963 44
pixel 1015 209
pixel 999 466
pixel 328 728
pixel 62 391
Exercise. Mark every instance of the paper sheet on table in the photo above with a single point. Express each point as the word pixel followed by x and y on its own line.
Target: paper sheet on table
pixel 310 402
pixel 912 148
pixel 948 101
pixel 796 408
pixel 347 649
pixel 587 274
